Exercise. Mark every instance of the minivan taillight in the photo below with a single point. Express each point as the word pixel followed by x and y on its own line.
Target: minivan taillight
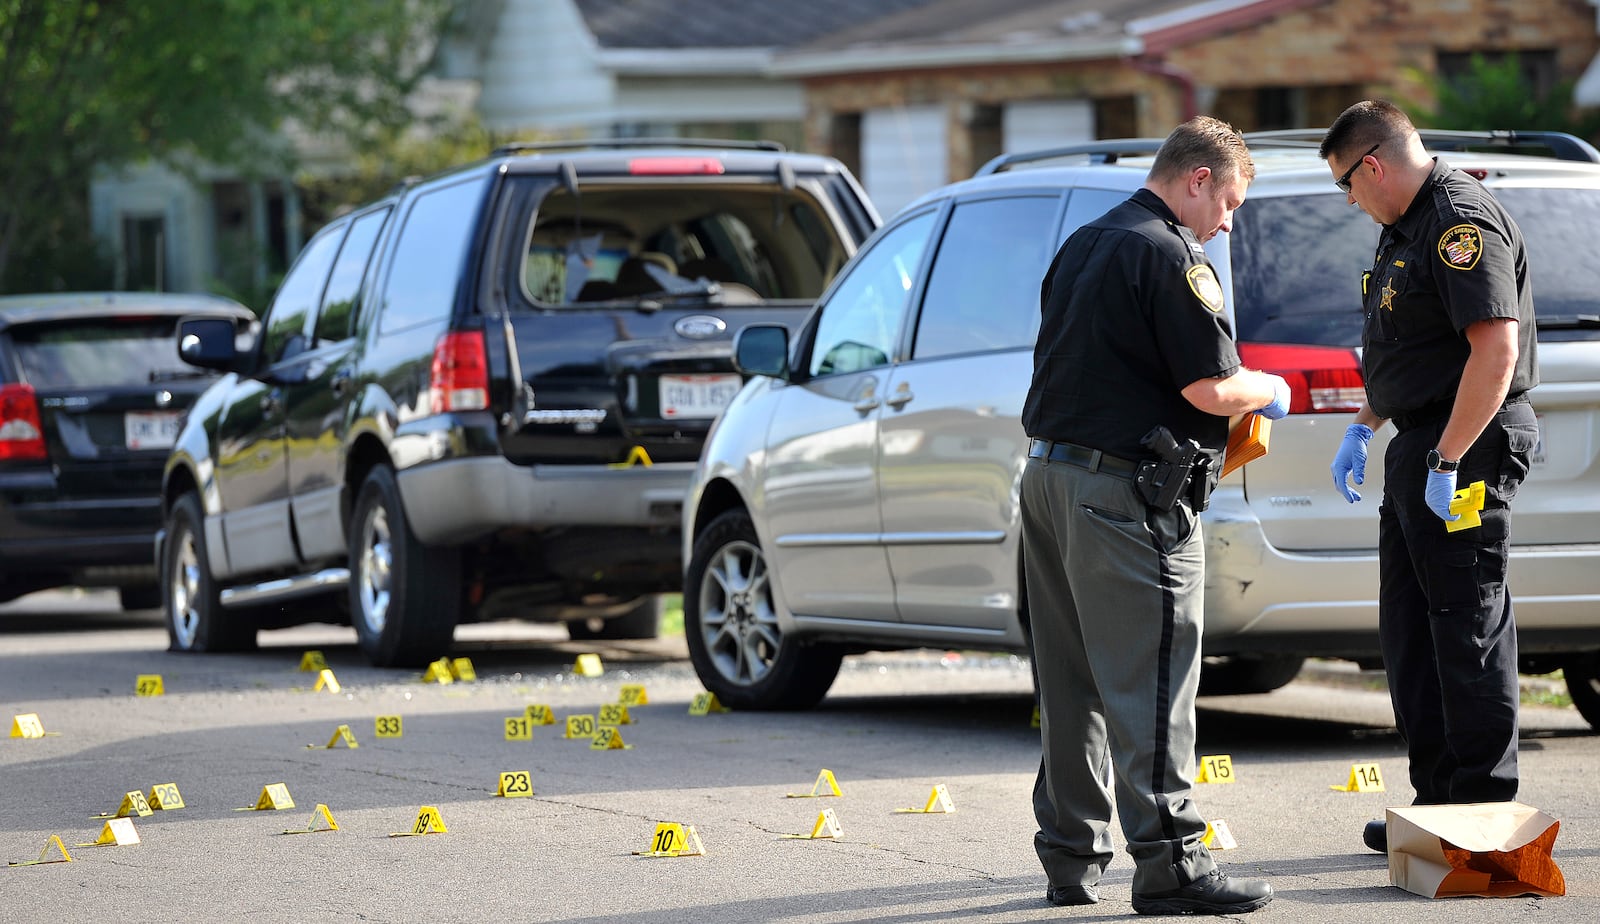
pixel 459 380
pixel 1322 380
pixel 21 432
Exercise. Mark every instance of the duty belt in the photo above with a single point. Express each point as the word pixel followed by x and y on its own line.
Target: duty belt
pixel 1082 456
pixel 1439 410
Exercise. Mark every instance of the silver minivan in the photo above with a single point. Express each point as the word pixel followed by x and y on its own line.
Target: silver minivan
pixel 861 492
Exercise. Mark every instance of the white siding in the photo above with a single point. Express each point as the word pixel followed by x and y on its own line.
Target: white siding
pixel 903 154
pixel 1036 124
pixel 541 70
pixel 151 190
pixel 708 99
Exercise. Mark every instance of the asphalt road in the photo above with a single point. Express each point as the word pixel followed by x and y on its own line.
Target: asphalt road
pixel 894 727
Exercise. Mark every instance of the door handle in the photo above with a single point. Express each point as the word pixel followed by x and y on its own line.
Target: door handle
pixel 869 403
pixel 341 383
pixel 270 405
pixel 901 397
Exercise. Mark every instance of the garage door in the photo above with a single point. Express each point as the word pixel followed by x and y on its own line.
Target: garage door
pixel 1038 124
pixel 902 154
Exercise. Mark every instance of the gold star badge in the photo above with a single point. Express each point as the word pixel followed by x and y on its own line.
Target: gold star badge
pixel 1388 292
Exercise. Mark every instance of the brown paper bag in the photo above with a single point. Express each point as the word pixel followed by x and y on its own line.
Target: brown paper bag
pixel 1496 849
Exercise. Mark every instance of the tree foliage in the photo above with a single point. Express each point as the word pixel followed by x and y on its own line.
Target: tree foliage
pixel 86 83
pixel 1497 94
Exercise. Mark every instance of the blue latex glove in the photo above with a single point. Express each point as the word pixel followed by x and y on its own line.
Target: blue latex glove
pixel 1351 460
pixel 1279 407
pixel 1441 488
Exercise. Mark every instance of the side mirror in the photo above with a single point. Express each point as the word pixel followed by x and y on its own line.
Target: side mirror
pixel 762 349
pixel 208 342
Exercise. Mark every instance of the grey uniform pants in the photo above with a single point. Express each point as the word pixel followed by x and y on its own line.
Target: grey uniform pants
pixel 1114 593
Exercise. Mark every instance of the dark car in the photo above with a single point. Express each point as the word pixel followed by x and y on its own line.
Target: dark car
pixel 92 396
pixel 483 396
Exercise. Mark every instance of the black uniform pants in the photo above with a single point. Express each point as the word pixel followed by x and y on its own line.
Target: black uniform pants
pixel 1444 614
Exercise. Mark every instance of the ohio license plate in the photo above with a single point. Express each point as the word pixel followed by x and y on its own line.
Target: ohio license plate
pixel 686 396
pixel 152 429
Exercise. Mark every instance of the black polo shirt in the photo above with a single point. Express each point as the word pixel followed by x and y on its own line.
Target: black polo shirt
pixel 1454 258
pixel 1132 314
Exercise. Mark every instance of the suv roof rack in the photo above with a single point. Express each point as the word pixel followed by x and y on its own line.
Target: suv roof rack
pixel 1099 152
pixel 1560 145
pixel 535 147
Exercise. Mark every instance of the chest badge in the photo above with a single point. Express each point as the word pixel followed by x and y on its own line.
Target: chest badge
pixel 1461 246
pixel 1203 283
pixel 1388 292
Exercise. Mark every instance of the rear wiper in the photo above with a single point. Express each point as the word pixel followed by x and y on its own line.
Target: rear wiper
pixel 1569 322
pixel 175 375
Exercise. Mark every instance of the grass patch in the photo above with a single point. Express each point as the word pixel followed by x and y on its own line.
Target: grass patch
pixel 672 616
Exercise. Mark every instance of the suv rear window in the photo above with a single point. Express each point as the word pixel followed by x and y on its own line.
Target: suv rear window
pixel 99 353
pixel 627 241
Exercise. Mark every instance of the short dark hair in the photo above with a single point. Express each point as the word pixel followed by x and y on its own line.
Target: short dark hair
pixel 1203 142
pixel 1369 122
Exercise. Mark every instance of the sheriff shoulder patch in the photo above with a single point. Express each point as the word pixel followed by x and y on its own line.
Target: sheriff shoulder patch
pixel 1203 283
pixel 1461 246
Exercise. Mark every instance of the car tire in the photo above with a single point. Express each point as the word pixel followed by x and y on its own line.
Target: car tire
pixel 641 622
pixel 731 625
pixel 140 597
pixel 191 599
pixel 1238 674
pixel 405 597
pixel 1583 684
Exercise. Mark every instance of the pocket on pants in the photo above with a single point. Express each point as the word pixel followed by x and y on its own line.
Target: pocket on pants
pixel 1453 581
pixel 1171 528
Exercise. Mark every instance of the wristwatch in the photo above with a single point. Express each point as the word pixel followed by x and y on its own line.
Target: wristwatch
pixel 1438 463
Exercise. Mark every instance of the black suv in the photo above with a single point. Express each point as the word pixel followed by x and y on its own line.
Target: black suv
pixel 92 395
pixel 483 396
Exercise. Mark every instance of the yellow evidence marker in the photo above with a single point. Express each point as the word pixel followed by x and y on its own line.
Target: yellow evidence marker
pixel 342 733
pixel 319 813
pixel 27 725
pixel 1466 502
pixel 672 839
pixel 387 726
pixel 608 738
pixel 118 832
pixel 588 665
pixel 54 841
pixel 1363 778
pixel 1218 837
pixel 825 785
pixel 461 669
pixel 274 796
pixel 705 704
pixel 632 694
pixel 326 681
pixel 313 661
pixel 827 826
pixel 540 714
pixel 580 726
pixel 939 803
pixel 428 822
pixel 439 672
pixel 133 803
pixel 164 797
pixel 1216 768
pixel 515 784
pixel 148 685
pixel 518 728
pixel 615 714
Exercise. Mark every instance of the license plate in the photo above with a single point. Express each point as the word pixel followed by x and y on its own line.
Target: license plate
pixel 152 429
pixel 685 396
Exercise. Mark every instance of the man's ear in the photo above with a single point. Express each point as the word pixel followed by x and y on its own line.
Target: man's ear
pixel 1197 179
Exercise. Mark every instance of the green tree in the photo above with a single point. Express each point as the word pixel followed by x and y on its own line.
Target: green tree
pixel 86 83
pixel 1496 94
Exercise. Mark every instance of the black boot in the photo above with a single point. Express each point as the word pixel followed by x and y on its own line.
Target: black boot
pixel 1213 893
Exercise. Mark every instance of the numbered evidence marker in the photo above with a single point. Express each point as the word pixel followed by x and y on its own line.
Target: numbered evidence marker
pixel 588 665
pixel 326 681
pixel 615 714
pixel 439 672
pixel 428 822
pixel 320 813
pixel 825 785
pixel 518 728
pixel 705 704
pixel 133 803
pixel 580 726
pixel 118 832
pixel 342 733
pixel 674 840
pixel 1363 778
pixel 1216 768
pixel 1218 837
pixel 54 841
pixel 148 685
pixel 632 694
pixel 515 784
pixel 827 826
pixel 313 661
pixel 461 669
pixel 387 726
pixel 540 714
pixel 274 796
pixel 165 797
pixel 27 725
pixel 608 738
pixel 939 802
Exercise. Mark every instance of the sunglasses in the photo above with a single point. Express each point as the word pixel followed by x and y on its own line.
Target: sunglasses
pixel 1343 182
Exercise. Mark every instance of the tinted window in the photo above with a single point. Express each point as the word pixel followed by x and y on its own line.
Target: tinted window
pixel 429 259
pixel 861 321
pixel 983 293
pixel 299 294
pixel 344 286
pixel 1555 224
pixel 1297 265
pixel 1085 206
pixel 97 353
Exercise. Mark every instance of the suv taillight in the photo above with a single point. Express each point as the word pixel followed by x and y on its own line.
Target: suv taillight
pixel 459 380
pixel 1322 380
pixel 21 432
